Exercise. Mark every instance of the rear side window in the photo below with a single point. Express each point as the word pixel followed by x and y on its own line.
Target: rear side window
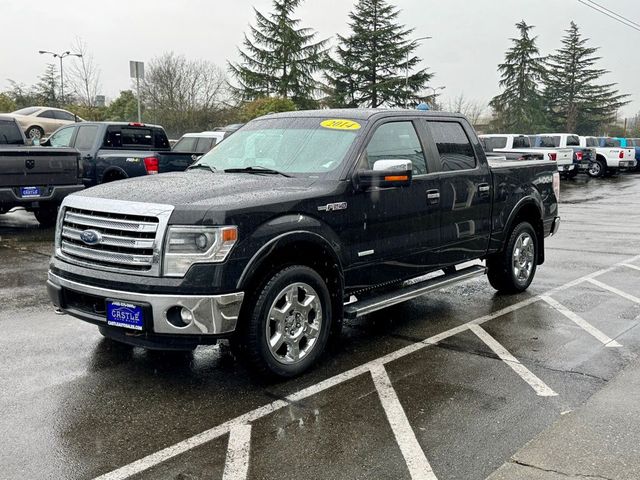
pixel 186 145
pixel 64 116
pixel 397 141
pixel 573 141
pixel 48 114
pixel 591 142
pixel 546 142
pixel 205 144
pixel 86 137
pixel 521 142
pixel 10 133
pixel 454 147
pixel 609 142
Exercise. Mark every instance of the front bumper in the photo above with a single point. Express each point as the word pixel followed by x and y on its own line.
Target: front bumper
pixel 214 315
pixel 52 194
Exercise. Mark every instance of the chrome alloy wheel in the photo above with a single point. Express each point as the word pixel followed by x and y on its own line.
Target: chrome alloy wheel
pixel 595 169
pixel 294 323
pixel 523 257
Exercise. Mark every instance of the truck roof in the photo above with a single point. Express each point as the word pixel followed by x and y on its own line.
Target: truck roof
pixel 123 124
pixel 361 113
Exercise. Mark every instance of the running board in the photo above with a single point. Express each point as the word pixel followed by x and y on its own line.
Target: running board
pixel 373 304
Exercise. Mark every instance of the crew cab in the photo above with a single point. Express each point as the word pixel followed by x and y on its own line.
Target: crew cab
pixel 292 224
pixel 32 177
pixel 114 150
pixel 610 156
pixel 509 143
pixel 197 144
pixel 583 157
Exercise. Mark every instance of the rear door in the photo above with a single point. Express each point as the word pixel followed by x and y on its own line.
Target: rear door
pixel 465 191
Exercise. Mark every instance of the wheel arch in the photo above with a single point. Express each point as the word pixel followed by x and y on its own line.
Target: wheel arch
pixel 528 210
pixel 113 174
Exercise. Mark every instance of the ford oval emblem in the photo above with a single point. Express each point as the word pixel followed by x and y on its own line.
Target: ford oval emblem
pixel 91 237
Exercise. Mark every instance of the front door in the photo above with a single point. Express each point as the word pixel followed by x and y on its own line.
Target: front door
pixel 394 232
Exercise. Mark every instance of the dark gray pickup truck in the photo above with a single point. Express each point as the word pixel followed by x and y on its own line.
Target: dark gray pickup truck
pixel 294 223
pixel 33 177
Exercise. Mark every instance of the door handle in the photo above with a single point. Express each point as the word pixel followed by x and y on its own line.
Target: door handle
pixel 484 188
pixel 433 197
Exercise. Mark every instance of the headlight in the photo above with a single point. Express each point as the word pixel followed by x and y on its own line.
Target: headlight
pixel 188 245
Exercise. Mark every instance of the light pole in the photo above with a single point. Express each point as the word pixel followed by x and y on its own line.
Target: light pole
pixel 435 94
pixel 406 78
pixel 61 56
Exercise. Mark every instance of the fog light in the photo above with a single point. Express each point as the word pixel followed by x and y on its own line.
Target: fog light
pixel 179 317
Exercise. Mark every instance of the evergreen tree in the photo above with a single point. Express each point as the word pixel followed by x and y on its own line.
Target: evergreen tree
pixel 518 108
pixel 372 61
pixel 46 90
pixel 280 59
pixel 576 103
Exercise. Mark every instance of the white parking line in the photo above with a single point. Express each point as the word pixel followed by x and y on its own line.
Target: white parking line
pixel 236 466
pixel 419 467
pixel 199 439
pixel 628 265
pixel 582 323
pixel 527 375
pixel 614 290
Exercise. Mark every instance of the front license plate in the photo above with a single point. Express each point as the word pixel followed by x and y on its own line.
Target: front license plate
pixel 125 315
pixel 30 192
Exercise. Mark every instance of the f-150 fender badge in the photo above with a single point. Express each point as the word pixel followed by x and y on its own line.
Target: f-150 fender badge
pixel 333 207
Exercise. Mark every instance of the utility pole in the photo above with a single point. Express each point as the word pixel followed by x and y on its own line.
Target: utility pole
pixel 61 56
pixel 406 79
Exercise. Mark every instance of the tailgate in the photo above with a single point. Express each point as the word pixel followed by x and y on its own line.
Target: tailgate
pixel 38 166
pixel 629 153
pixel 565 156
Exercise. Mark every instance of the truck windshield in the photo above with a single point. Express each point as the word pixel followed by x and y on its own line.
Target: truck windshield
pixel 10 133
pixel 305 146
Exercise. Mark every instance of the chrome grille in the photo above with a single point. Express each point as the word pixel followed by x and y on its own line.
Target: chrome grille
pixel 127 242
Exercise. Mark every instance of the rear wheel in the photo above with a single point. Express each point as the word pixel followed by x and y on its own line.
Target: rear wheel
pixel 34 133
pixel 513 269
pixel 288 325
pixel 46 215
pixel 597 169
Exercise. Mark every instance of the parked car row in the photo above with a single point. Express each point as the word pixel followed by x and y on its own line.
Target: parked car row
pixel 40 122
pixel 596 156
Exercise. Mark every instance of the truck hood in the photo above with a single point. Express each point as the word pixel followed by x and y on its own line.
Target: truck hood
pixel 202 190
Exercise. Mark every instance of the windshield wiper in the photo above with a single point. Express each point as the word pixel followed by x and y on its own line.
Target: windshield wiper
pixel 203 166
pixel 257 170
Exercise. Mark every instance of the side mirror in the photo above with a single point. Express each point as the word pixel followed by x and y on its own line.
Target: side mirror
pixel 386 174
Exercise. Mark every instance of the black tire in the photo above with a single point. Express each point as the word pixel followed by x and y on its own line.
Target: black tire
pixel 573 173
pixel 34 132
pixel 597 169
pixel 47 215
pixel 254 344
pixel 501 269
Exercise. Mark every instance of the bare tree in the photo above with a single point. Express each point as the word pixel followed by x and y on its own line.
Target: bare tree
pixel 472 109
pixel 183 95
pixel 84 75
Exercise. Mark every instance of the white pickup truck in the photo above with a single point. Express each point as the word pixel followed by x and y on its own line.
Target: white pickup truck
pixel 510 143
pixel 583 157
pixel 610 156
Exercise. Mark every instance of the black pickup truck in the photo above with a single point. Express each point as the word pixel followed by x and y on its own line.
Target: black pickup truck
pixel 35 178
pixel 294 223
pixel 114 151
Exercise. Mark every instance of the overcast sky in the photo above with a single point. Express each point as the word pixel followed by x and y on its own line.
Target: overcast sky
pixel 469 36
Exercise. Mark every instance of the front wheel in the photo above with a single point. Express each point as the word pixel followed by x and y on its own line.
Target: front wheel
pixel 288 325
pixel 513 269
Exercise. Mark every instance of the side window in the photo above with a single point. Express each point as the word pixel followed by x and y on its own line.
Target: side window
pixel 47 114
pixel 456 151
pixel 396 141
pixel 205 144
pixel 64 116
pixel 521 142
pixel 186 145
pixel 573 141
pixel 86 137
pixel 62 138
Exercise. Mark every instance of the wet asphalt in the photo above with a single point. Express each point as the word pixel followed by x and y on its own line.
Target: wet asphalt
pixel 75 406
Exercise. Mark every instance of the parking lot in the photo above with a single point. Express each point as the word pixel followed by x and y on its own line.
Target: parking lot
pixel 449 386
